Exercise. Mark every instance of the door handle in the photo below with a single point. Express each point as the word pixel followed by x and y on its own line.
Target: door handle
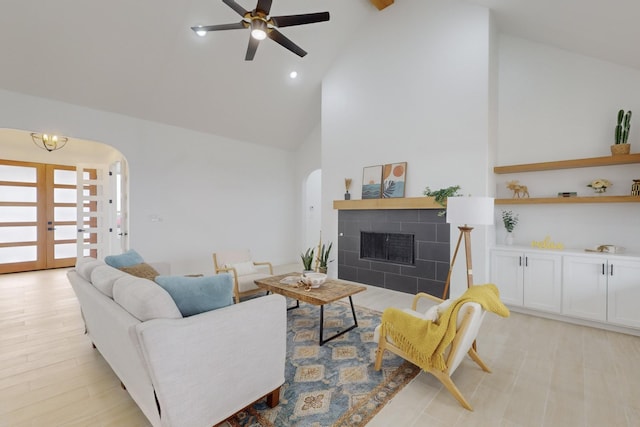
pixel 51 228
pixel 611 270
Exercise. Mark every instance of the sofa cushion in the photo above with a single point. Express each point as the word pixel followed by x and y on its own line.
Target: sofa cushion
pixel 126 259
pixel 144 299
pixel 104 276
pixel 84 267
pixel 143 270
pixel 243 268
pixel 194 295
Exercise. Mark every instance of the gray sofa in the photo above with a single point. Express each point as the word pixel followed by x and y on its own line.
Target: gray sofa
pixel 192 371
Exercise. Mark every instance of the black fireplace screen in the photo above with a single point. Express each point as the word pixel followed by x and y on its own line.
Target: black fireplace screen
pixel 387 247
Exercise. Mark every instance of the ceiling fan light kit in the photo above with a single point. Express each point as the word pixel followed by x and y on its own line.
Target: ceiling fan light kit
pixel 263 25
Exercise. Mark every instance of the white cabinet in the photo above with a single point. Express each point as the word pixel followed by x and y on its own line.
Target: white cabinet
pixel 584 283
pixel 603 289
pixel 528 279
pixel 623 297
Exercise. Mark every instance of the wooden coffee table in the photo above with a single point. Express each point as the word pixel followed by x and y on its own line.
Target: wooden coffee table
pixel 332 290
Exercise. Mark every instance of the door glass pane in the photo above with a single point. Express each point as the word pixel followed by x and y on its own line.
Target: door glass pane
pixel 18 234
pixel 18 213
pixel 64 177
pixel 17 173
pixel 65 250
pixel 18 254
pixel 64 232
pixel 64 214
pixel 10 193
pixel 64 195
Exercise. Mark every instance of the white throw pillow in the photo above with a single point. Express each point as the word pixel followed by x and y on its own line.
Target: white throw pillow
pixel 244 268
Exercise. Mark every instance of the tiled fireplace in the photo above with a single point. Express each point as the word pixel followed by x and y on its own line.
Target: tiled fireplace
pixel 401 249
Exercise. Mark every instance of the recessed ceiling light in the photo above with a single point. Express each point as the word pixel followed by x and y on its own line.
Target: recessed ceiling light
pixel 293 74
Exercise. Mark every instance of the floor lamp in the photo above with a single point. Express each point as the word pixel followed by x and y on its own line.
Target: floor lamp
pixel 467 210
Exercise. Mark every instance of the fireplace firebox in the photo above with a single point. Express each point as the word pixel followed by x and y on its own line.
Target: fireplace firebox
pixel 387 247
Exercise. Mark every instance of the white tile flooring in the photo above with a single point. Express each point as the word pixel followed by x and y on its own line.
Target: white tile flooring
pixel 545 372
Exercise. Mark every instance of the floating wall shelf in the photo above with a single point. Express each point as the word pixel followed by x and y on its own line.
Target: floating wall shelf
pixel 570 164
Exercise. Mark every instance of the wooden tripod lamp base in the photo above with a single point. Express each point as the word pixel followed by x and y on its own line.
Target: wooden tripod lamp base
pixel 465 231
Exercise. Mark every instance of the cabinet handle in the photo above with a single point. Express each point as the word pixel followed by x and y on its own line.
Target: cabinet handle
pixel 611 272
pixel 526 261
pixel 603 273
pixel 519 261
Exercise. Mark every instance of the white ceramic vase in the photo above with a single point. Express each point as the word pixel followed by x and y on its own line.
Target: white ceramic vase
pixel 509 238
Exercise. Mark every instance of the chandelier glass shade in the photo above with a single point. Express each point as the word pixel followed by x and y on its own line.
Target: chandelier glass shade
pixel 49 142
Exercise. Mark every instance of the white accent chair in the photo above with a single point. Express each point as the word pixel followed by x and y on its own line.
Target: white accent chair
pixel 469 320
pixel 244 270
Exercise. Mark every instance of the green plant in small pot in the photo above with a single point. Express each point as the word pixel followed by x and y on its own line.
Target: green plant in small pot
pixel 440 196
pixel 307 260
pixel 623 128
pixel 510 221
pixel 324 258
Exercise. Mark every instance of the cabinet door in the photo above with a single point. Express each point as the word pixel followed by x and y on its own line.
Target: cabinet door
pixel 506 274
pixel 624 293
pixel 542 281
pixel 584 287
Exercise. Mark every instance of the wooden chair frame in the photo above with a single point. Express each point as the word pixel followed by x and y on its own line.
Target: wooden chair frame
pixel 443 376
pixel 236 290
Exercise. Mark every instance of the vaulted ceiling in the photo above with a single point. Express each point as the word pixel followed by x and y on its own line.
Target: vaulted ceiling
pixel 139 58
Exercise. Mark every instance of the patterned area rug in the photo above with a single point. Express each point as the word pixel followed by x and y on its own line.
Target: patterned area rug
pixel 332 385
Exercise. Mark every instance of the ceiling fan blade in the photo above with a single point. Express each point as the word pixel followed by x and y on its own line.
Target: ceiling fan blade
pixel 251 49
pixel 235 6
pixel 290 20
pixel 264 6
pixel 221 27
pixel 279 38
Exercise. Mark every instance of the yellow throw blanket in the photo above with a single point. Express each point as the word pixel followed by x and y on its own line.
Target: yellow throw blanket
pixel 426 341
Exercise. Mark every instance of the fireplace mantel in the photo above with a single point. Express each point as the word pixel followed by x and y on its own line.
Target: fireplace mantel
pixel 396 203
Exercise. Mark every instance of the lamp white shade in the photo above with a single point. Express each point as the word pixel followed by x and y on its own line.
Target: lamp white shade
pixel 470 210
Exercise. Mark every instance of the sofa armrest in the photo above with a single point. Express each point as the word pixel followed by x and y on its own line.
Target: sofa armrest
pixel 206 367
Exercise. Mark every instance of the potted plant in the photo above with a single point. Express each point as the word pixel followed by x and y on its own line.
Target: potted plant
pixel 324 258
pixel 307 260
pixel 623 127
pixel 440 196
pixel 510 221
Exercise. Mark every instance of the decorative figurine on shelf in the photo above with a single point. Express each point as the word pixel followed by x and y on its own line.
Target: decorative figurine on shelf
pixel 347 185
pixel 518 190
pixel 635 187
pixel 600 185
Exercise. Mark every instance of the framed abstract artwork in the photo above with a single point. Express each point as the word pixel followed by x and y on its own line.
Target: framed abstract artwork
pixel 394 177
pixel 372 182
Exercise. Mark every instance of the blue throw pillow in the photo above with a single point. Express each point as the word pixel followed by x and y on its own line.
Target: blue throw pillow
pixel 126 259
pixel 194 295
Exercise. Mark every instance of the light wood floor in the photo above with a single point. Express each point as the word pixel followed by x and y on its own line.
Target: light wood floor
pixel 545 373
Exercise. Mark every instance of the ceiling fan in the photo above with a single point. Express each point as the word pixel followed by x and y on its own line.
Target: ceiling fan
pixel 263 25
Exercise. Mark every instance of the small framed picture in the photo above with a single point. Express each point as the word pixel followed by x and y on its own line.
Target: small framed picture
pixel 372 182
pixel 394 177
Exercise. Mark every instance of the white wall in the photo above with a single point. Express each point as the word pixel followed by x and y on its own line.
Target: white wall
pixel 558 105
pixel 412 86
pixel 212 193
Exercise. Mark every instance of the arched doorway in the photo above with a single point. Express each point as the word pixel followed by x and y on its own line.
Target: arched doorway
pixel 57 205
pixel 312 209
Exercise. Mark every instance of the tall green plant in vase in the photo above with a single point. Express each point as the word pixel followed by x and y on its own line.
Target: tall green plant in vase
pixel 510 220
pixel 623 127
pixel 323 257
